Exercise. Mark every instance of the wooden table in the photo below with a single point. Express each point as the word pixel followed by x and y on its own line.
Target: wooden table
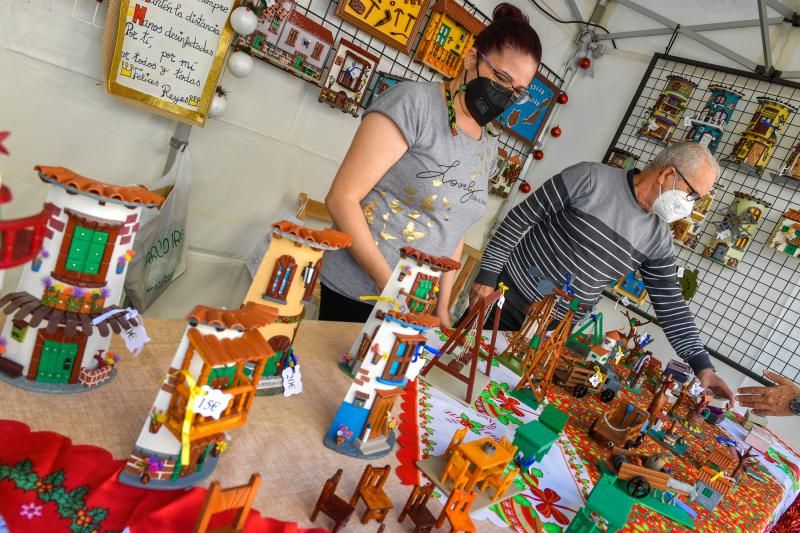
pixel 482 463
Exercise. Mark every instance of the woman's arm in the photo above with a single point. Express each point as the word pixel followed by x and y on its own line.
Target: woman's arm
pixel 377 145
pixel 446 287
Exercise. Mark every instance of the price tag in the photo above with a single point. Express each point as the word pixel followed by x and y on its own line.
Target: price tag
pixel 292 380
pixel 624 300
pixel 681 270
pixel 211 402
pixel 594 380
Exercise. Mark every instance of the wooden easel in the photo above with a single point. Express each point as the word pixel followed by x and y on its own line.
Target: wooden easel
pixel 474 319
pixel 538 315
pixel 549 352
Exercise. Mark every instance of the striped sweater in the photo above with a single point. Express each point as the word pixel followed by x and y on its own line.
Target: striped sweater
pixel 586 222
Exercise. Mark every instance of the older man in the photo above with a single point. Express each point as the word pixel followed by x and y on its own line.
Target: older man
pixel 596 223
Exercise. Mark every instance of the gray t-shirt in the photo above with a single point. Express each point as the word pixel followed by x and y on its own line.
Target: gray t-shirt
pixel 429 197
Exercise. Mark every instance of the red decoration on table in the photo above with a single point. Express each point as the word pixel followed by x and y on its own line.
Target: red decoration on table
pixel 562 98
pixel 525 187
pixel 47 476
pixel 3 136
pixel 408 437
pixel 538 155
pixel 585 63
pixel 555 131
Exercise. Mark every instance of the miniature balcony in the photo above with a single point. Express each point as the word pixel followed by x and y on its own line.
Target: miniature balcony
pixel 21 239
pixel 701 118
pixel 418 305
pixel 243 391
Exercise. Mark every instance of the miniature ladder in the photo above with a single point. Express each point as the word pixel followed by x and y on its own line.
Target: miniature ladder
pixel 526 340
pixel 474 320
pixel 549 352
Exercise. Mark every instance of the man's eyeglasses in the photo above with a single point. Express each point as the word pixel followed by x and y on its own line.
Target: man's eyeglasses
pixel 503 83
pixel 692 196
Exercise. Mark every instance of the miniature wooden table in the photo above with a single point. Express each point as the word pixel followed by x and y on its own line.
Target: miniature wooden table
pixel 481 463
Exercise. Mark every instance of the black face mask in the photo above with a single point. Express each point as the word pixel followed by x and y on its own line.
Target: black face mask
pixel 485 102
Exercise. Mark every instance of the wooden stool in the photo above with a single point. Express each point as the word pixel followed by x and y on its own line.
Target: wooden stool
pixel 416 509
pixel 370 489
pixel 456 510
pixel 333 506
pixel 219 499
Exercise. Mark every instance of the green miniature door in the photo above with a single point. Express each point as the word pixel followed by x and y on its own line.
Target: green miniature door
pixel 441 36
pixel 86 250
pixel 423 290
pixel 221 377
pixel 55 365
pixel 298 61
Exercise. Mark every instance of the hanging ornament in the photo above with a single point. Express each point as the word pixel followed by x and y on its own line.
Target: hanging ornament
pixel 562 98
pixel 525 187
pixel 538 155
pixel 585 63
pixel 556 131
pixel 243 20
pixel 3 136
pixel 240 64
pixel 219 103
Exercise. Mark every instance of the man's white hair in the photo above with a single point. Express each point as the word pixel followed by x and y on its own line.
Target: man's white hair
pixel 687 157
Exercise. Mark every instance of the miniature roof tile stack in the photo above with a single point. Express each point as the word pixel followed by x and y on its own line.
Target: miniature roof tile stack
pixel 445 264
pixel 125 195
pixel 249 316
pixel 326 239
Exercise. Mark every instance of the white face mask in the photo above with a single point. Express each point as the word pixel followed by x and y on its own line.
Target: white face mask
pixel 672 205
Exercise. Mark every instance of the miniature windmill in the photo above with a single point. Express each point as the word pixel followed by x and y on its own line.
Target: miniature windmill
pixel 466 351
pixel 549 352
pixel 526 341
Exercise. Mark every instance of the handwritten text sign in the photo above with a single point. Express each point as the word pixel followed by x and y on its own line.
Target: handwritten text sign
pixel 211 402
pixel 169 53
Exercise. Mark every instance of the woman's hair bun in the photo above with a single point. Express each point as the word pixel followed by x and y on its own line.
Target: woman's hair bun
pixel 506 11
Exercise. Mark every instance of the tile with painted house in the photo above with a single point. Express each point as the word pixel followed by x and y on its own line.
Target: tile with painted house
pixel 387 354
pixel 348 77
pixel 61 317
pixel 508 171
pixel 208 390
pixel 786 237
pixel 450 32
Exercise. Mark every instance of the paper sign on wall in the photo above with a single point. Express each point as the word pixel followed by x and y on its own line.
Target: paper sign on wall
pixel 168 54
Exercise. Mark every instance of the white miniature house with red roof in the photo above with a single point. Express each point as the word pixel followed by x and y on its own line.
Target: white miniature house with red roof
pixel 387 355
pixel 207 391
pixel 59 321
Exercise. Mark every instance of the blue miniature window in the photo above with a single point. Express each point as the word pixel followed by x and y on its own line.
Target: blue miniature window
pixel 281 279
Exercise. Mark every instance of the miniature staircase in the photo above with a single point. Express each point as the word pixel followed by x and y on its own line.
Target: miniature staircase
pixel 374 446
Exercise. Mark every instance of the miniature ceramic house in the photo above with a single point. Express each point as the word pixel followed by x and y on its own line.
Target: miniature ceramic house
pixel 668 109
pixel 508 170
pixel 686 231
pixel 736 230
pixel 450 33
pixel 791 168
pixel 758 141
pixel 786 237
pixel 707 126
pixel 622 159
pixel 679 370
pixel 710 493
pixel 285 280
pixel 207 391
pixel 348 77
pixel 387 355
pixel 632 287
pixel 287 38
pixel 59 322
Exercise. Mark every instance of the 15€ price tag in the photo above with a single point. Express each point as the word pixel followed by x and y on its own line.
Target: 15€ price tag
pixel 211 402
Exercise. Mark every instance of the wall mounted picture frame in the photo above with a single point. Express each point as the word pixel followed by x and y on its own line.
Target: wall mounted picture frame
pixel 383 82
pixel 395 25
pixel 525 121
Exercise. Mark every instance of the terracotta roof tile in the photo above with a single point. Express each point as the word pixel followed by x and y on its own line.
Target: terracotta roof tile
pixel 772 99
pixel 453 10
pixel 615 335
pixel 681 78
pixel 326 239
pixel 721 484
pixel 427 321
pixel 792 214
pixel 358 49
pixel 315 29
pixel 117 193
pixel 625 152
pixel 740 194
pixel 250 315
pixel 445 264
pixel 249 347
pixel 725 88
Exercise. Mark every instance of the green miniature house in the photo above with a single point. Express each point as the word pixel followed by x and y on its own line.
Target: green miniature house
pixel 535 438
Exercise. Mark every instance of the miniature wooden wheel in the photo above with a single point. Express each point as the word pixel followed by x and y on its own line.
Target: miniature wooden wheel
pixel 580 391
pixel 638 487
pixel 607 395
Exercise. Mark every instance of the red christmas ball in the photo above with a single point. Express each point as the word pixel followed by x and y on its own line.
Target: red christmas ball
pixel 562 98
pixel 585 63
pixel 538 155
pixel 556 131
pixel 525 187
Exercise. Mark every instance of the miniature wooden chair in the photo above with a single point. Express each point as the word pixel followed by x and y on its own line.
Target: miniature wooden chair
pixel 218 500
pixel 416 508
pixel 455 442
pixel 457 469
pixel 456 510
pixel 370 489
pixel 333 506
pixel 506 445
pixel 500 483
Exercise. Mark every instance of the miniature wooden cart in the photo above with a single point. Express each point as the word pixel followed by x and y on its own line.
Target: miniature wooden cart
pixel 640 479
pixel 621 426
pixel 575 374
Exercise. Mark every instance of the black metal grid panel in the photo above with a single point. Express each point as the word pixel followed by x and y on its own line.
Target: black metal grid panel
pixel 396 62
pixel 750 316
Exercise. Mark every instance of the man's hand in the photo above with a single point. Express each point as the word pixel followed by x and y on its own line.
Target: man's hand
pixel 770 401
pixel 710 380
pixel 444 320
pixel 478 291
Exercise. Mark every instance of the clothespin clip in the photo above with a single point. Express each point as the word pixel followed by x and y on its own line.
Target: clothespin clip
pixel 567 284
pixel 502 300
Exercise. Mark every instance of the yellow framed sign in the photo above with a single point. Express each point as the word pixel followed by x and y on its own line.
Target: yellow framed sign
pixel 393 22
pixel 167 55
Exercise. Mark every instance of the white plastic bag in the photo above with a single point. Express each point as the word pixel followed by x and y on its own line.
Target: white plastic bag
pixel 161 241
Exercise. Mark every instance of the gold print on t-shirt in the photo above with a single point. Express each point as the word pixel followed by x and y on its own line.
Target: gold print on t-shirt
pixel 437 182
pixel 410 190
pixel 411 234
pixel 396 206
pixel 385 217
pixel 414 214
pixel 369 211
pixel 427 202
pixel 386 236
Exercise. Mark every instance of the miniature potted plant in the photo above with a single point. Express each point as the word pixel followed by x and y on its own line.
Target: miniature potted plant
pixel 405 271
pixel 99 299
pixel 157 419
pixel 75 300
pixel 36 263
pixel 218 448
pixel 343 435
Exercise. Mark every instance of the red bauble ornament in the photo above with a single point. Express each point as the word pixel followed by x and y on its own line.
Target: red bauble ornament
pixel 556 131
pixel 525 187
pixel 562 98
pixel 538 155
pixel 585 63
